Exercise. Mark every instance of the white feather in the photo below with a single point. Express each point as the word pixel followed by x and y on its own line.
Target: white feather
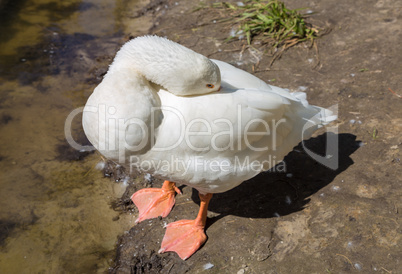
pixel 132 87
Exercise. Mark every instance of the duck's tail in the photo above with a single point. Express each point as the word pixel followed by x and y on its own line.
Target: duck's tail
pixel 315 117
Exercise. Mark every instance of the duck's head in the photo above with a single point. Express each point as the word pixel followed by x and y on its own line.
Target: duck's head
pixel 176 68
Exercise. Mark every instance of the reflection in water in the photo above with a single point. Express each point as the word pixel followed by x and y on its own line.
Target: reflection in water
pixel 54 206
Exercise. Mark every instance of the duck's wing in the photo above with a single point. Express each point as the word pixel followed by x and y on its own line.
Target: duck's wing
pixel 204 138
pixel 239 78
pixel 238 124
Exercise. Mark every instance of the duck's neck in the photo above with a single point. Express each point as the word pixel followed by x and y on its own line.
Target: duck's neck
pixel 135 58
pixel 163 62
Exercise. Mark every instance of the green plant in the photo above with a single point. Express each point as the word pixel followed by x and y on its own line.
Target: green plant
pixel 271 21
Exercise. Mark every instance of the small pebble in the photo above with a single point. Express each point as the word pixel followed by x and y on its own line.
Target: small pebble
pixel 148 177
pixel 302 88
pixel 125 180
pixel 358 266
pixel 208 266
pixel 232 32
pixel 336 188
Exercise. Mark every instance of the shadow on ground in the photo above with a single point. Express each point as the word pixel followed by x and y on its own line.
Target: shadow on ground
pixel 273 194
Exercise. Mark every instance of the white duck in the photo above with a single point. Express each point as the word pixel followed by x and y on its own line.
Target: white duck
pixel 169 111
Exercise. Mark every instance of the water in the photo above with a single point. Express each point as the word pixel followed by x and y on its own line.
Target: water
pixel 55 213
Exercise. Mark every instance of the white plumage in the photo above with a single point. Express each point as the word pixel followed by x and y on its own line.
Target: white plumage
pixel 159 109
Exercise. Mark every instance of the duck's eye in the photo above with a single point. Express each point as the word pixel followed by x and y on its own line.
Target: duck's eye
pixel 210 86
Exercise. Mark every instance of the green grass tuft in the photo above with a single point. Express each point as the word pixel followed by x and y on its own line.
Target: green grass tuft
pixel 271 22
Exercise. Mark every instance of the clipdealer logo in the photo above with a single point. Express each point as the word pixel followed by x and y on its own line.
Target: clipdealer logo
pixel 220 135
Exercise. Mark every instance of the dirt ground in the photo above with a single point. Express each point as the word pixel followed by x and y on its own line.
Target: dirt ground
pixel 310 219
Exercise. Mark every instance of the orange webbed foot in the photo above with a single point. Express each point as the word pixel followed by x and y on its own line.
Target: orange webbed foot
pixel 185 237
pixel 155 202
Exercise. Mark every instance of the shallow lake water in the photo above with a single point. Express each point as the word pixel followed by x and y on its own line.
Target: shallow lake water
pixel 55 213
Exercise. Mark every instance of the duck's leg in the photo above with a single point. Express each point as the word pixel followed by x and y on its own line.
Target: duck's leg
pixel 185 237
pixel 154 202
